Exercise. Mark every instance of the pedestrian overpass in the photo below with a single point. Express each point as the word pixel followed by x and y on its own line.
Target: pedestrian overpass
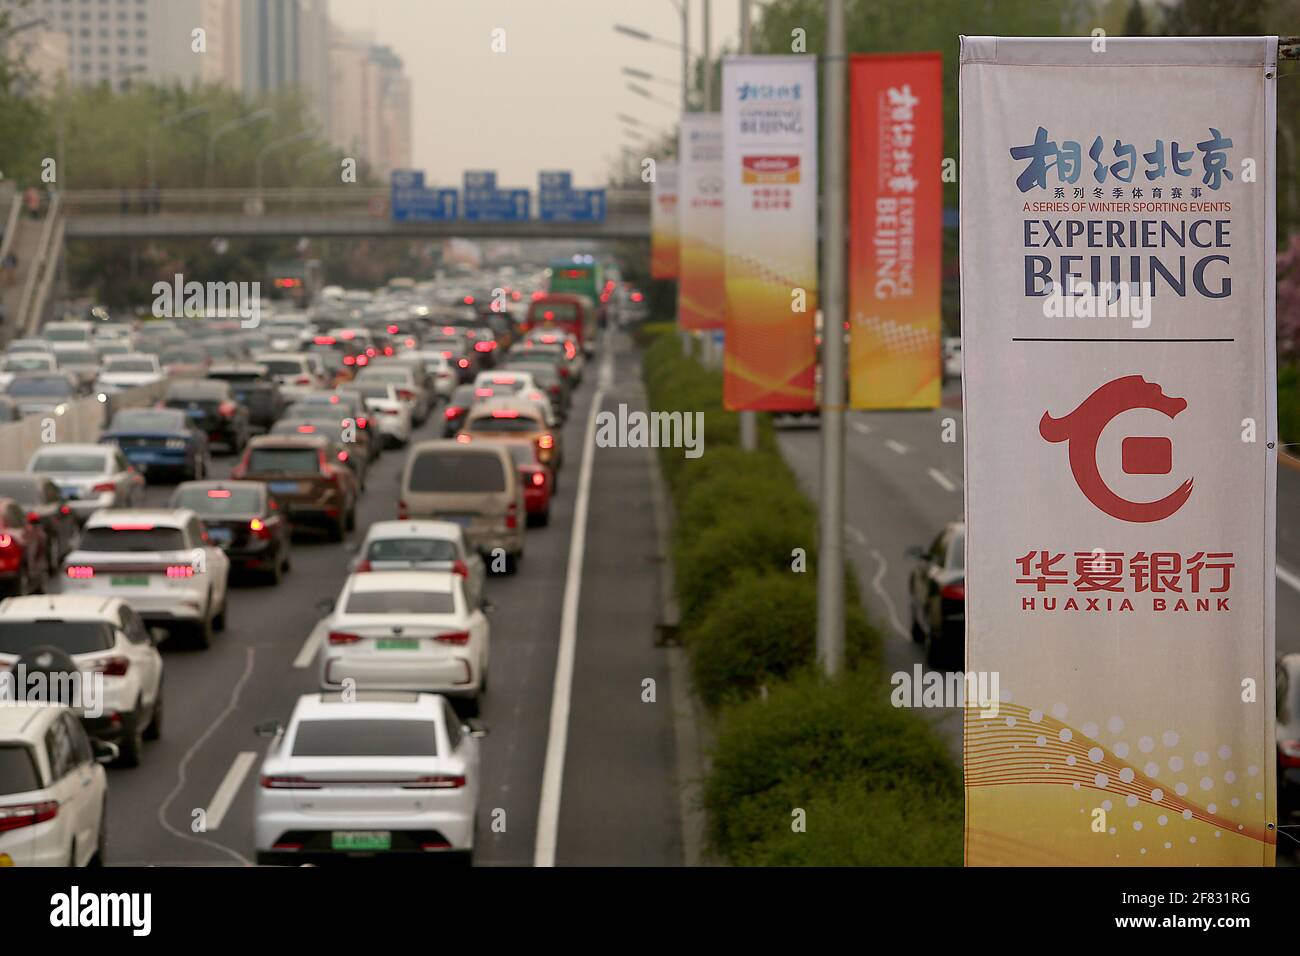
pixel 343 211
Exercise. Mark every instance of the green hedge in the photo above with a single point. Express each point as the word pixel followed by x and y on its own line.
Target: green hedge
pixel 876 784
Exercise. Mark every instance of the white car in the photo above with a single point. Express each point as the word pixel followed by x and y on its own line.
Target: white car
pixel 103 637
pixel 409 389
pixel 296 374
pixel 21 363
pixel 502 384
pixel 440 369
pixel 407 630
pixel 158 561
pixel 53 793
pixel 120 372
pixel 91 477
pixel 422 546
pixel 388 412
pixel 952 358
pixel 68 334
pixel 288 335
pixel 370 774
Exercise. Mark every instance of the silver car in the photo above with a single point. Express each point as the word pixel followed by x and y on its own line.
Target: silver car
pixel 422 546
pixel 90 477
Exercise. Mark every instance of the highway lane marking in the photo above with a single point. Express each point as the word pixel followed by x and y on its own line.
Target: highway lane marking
pixel 311 646
pixel 225 795
pixel 856 534
pixel 942 480
pixel 862 427
pixel 182 770
pixel 1288 577
pixel 896 446
pixel 882 566
pixel 557 735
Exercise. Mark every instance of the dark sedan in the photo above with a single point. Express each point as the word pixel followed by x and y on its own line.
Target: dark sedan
pixel 212 407
pixel 254 389
pixel 457 407
pixel 45 506
pixel 160 442
pixel 937 588
pixel 243 521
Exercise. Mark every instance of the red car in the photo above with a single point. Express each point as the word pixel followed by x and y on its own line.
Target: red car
pixel 538 481
pixel 24 563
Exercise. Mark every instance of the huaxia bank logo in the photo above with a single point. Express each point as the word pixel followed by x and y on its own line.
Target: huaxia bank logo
pixel 76 909
pixel 180 299
pixel 1103 580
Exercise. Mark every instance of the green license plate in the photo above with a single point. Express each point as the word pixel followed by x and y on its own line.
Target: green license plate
pixel 361 840
pixel 399 644
pixel 131 582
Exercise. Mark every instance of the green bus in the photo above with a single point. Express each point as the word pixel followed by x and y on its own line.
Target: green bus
pixel 579 274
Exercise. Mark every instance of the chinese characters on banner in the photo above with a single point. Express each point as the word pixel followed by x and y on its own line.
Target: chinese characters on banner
pixel 769 110
pixel 700 292
pixel 663 221
pixel 895 222
pixel 1120 463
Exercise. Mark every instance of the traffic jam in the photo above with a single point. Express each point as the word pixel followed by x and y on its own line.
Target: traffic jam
pixel 439 406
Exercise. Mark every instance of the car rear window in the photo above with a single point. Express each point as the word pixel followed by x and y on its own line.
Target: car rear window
pixel 555 312
pixel 215 502
pixel 400 602
pixel 457 471
pixel 73 637
pixel 411 549
pixel 147 420
pixel 282 366
pixel 40 387
pixel 488 423
pixel 59 463
pixel 132 539
pixel 366 738
pixel 129 365
pixel 17 770
pixel 264 461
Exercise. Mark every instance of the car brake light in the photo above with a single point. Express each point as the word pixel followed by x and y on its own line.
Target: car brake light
pixel 505 413
pixel 180 570
pixel 460 567
pixel 349 360
pixel 325 340
pixel 363 566
pixel 227 409
pixel 463 363
pixel 512 516
pixel 33 517
pixel 19 815
pixel 440 782
pixel 343 637
pixel 453 411
pixel 447 353
pixel 546 441
pixel 219 493
pixel 307 429
pixel 539 479
pixel 80 572
pixel 402 513
pixel 953 592
pixel 459 638
pixel 110 666
pixel 388 350
pixel 1288 753
pixel 65 510
pixel 342 456
pixel 392 330
pixel 287 783
pixel 104 486
pixel 482 393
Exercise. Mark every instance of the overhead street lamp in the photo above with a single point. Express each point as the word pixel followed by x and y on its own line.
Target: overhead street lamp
pixel 683 8
pixel 278 144
pixel 168 122
pixel 311 156
pixel 642 91
pixel 647 76
pixel 230 127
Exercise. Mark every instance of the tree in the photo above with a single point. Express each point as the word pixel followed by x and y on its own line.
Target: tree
pixel 1135 21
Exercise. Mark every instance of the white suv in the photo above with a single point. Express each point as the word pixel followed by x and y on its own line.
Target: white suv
pixel 53 793
pixel 158 561
pixel 104 637
pixel 368 774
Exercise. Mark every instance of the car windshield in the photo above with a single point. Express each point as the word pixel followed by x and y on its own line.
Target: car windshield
pixel 216 502
pixel 129 365
pixel 263 461
pixel 64 463
pixel 183 357
pixel 40 386
pixel 411 549
pixel 365 738
pixel 27 362
pixel 147 420
pixel 66 335
pixel 73 637
pixel 555 312
pixel 370 391
pixel 131 538
pixel 457 471
pixel 78 357
pixel 400 602
pixel 17 770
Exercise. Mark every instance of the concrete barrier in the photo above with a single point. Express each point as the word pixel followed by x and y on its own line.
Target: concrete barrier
pixel 83 420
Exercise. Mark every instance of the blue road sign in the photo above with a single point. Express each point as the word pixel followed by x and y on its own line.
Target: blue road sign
pixel 412 201
pixel 571 205
pixel 560 179
pixel 497 205
pixel 480 179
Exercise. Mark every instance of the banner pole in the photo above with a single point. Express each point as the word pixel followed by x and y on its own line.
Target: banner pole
pixel 830 563
pixel 748 420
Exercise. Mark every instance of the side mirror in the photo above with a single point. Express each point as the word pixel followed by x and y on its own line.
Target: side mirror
pixel 157 635
pixel 104 751
pixel 268 728
pixel 487 606
pixel 914 552
pixel 475 727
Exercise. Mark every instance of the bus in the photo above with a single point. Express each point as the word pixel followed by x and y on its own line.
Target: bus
pixel 579 274
pixel 566 311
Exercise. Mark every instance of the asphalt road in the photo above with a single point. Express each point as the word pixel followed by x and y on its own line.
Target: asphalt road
pixel 904 482
pixel 616 802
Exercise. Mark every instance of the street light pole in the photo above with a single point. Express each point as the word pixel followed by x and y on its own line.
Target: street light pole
pixel 686 56
pixel 707 63
pixel 830 560
pixel 274 145
pixel 166 123
pixel 230 127
pixel 748 420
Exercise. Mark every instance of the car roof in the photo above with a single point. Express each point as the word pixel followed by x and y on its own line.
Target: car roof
pixel 82 448
pixel 24 720
pixel 163 517
pixel 434 529
pixel 286 441
pixel 433 581
pixel 233 484
pixel 364 704
pixel 505 403
pixel 80 607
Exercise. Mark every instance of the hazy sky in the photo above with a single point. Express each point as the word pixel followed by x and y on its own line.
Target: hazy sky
pixel 551 100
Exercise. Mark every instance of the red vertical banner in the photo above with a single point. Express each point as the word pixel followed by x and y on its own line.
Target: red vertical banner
pixel 895 229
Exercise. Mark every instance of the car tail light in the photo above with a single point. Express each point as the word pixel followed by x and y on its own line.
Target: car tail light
pixel 388 350
pixel 363 566
pixel 342 456
pixel 953 592
pixel 405 394
pixel 512 516
pixel 65 510
pixel 370 352
pixel 180 571
pixel 392 330
pixel 1288 753
pixel 484 346
pixel 80 572
pixel 259 528
pixel 343 637
pixel 307 429
pixel 104 486
pixel 227 409
pixel 538 479
pixel 463 438
pixel 362 421
pixel 349 360
pixel 459 638
pixel 460 567
pixel 410 343
pixel 402 513
pixel 446 354
pixel 19 815
pixel 440 782
pixel 453 411
pixel 363 360
pixel 287 783
pixel 463 363
pixel 110 666
pixel 546 441
pixel 33 517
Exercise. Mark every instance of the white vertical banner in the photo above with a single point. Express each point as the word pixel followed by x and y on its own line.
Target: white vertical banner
pixel 664 250
pixel 1117 276
pixel 769 161
pixel 700 295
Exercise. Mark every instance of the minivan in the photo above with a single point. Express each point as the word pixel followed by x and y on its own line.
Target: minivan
pixel 475 486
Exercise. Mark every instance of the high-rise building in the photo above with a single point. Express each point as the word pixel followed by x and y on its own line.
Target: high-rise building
pixel 370 102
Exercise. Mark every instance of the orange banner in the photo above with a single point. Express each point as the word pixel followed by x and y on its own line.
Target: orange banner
pixel 895 221
pixel 664 248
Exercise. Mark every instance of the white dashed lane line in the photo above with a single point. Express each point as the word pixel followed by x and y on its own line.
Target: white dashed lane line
pixel 942 480
pixel 225 795
pixel 897 447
